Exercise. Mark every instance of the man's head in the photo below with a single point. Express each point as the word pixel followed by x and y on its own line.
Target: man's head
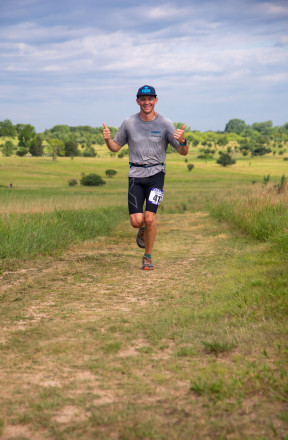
pixel 146 91
pixel 147 99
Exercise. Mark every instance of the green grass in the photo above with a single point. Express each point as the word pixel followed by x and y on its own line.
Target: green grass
pixel 28 235
pixel 262 212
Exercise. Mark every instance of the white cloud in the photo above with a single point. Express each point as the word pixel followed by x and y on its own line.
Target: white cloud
pixel 161 12
pixel 274 8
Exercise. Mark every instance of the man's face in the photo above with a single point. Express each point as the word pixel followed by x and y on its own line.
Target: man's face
pixel 147 103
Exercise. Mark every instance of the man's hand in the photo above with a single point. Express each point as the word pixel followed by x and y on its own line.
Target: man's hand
pixel 109 142
pixel 106 132
pixel 180 135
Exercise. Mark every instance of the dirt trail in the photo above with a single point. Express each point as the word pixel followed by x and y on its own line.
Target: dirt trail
pixel 62 325
pixel 110 267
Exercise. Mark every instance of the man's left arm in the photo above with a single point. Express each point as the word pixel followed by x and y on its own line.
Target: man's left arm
pixel 180 136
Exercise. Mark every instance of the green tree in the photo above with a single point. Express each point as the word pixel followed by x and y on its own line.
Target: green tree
pixel 89 152
pixel 36 148
pixel 21 151
pixel 223 140
pixel 235 126
pixel 265 128
pixel 225 159
pixel 260 150
pixel 8 148
pixel 7 129
pixel 71 148
pixel 26 136
pixel 60 132
pixel 56 147
pixel 110 173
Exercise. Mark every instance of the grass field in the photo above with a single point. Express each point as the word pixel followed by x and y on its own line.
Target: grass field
pixel 93 348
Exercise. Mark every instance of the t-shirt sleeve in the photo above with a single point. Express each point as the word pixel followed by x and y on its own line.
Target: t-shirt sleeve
pixel 121 137
pixel 170 135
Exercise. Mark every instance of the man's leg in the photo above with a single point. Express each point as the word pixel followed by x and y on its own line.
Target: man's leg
pixel 149 221
pixel 150 231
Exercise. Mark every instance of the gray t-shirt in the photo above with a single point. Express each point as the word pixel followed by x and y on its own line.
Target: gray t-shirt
pixel 147 142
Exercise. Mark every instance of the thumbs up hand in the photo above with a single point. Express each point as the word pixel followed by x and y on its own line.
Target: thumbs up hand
pixel 180 134
pixel 106 132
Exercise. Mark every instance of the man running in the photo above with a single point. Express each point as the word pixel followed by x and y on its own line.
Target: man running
pixel 147 134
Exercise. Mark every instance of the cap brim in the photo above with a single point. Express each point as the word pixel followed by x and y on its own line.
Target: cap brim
pixel 146 94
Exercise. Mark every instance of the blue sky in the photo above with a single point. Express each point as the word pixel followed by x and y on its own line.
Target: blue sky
pixel 82 62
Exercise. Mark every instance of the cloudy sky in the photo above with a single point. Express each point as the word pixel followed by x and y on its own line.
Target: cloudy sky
pixel 82 62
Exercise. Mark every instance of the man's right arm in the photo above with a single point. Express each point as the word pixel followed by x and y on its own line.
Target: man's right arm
pixel 111 144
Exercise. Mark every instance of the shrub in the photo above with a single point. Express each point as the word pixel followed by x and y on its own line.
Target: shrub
pixel 72 182
pixel 190 166
pixel 261 150
pixel 7 148
pixel 89 152
pixel 21 151
pixel 110 173
pixel 225 159
pixel 205 156
pixel 92 180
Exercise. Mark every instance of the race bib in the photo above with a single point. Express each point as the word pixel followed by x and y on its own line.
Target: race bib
pixel 156 196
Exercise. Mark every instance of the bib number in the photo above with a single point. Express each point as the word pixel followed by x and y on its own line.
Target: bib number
pixel 156 196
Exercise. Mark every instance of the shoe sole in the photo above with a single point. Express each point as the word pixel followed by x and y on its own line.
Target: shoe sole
pixel 148 268
pixel 141 243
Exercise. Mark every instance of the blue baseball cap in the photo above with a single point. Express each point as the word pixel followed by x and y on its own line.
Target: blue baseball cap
pixel 146 91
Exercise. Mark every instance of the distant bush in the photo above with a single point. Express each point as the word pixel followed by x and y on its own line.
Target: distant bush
pixel 21 151
pixel 225 159
pixel 205 156
pixel 89 152
pixel 261 150
pixel 92 180
pixel 121 155
pixel 110 173
pixel 7 148
pixel 190 166
pixel 72 182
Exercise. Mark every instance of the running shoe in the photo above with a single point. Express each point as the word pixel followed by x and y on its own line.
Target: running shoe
pixel 140 238
pixel 147 264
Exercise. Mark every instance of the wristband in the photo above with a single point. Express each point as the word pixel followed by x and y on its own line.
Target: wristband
pixel 183 144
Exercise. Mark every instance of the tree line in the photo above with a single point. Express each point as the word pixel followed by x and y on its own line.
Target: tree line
pixel 62 140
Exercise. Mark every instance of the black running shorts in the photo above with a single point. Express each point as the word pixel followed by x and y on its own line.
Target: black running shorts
pixel 145 188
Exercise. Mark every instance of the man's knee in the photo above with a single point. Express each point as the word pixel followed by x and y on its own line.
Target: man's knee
pixel 136 220
pixel 149 218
